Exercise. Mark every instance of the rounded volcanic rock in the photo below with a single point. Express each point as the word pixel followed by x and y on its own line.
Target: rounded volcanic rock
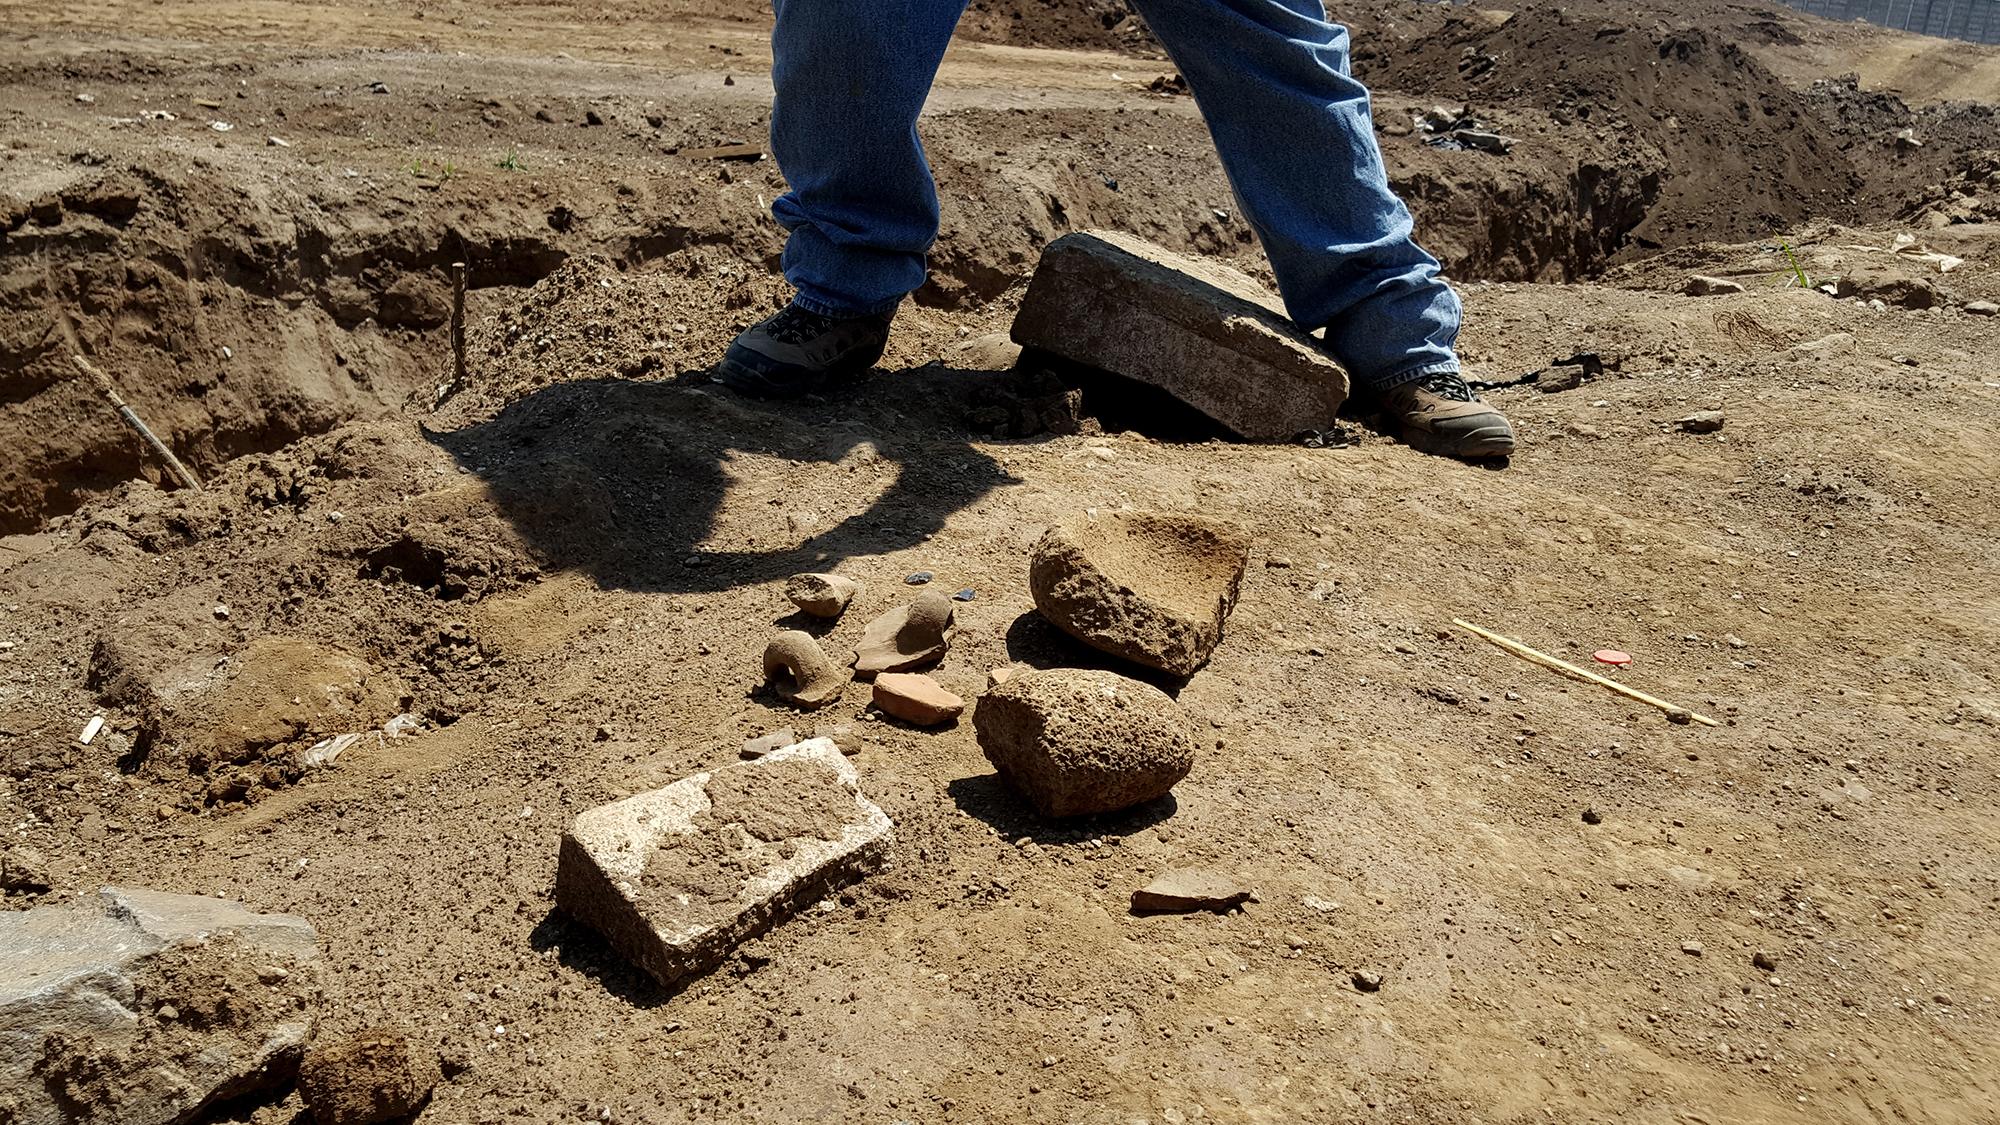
pixel 1150 588
pixel 1076 742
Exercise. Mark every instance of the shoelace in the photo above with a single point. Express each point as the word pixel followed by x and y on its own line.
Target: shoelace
pixel 1448 385
pixel 794 325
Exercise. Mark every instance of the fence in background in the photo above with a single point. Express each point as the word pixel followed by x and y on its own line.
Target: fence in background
pixel 1977 21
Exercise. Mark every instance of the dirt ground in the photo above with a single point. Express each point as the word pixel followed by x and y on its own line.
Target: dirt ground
pixel 566 568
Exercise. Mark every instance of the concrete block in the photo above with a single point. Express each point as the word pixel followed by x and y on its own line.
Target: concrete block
pixel 675 878
pixel 1201 331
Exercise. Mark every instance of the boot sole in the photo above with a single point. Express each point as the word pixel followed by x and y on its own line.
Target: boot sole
pixel 740 372
pixel 1483 444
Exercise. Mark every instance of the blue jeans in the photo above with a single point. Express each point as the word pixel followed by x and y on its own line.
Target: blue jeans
pixel 1292 126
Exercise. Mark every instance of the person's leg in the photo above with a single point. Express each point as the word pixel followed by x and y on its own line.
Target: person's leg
pixel 850 78
pixel 1297 138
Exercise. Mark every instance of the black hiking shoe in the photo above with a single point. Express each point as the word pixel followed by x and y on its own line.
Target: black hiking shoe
pixel 1439 414
pixel 797 352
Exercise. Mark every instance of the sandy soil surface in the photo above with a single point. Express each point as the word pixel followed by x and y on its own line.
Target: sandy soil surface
pixel 567 570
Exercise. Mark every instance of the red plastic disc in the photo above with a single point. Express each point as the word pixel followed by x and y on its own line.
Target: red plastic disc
pixel 1612 656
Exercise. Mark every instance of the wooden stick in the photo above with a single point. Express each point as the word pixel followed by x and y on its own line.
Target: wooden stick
pixel 457 325
pixel 1676 713
pixel 110 392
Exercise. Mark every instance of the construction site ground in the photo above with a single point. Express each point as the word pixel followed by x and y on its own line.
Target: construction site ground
pixel 567 567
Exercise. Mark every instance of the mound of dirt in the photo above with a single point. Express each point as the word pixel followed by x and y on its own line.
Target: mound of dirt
pixel 1088 25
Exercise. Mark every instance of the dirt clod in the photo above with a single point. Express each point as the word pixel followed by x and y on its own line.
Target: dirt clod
pixel 375 1076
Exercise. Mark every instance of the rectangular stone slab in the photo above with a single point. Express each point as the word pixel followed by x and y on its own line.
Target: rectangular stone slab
pixel 1201 331
pixel 675 878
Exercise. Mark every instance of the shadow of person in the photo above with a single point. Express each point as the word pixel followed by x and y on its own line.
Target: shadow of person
pixel 678 486
pixel 987 798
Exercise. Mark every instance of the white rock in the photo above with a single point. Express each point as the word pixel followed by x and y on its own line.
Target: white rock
pixel 157 1005
pixel 676 877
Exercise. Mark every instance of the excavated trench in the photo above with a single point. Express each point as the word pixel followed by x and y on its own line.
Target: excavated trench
pixel 237 318
pixel 242 302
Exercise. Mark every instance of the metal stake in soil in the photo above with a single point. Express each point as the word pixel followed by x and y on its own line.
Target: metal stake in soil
pixel 104 386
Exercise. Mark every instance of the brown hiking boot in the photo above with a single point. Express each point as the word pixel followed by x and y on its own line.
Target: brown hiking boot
pixel 1440 414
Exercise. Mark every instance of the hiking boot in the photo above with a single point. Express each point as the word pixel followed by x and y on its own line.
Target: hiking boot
pixel 797 352
pixel 1440 414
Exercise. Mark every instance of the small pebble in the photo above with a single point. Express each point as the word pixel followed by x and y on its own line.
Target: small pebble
pixel 965 595
pixel 919 578
pixel 1367 980
pixel 1765 960
pixel 1592 816
pixel 1691 948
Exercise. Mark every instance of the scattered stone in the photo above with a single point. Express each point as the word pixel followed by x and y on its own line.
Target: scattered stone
pixel 1592 816
pixel 1701 422
pixel 1734 641
pixel 821 595
pixel 916 698
pixel 1560 377
pixel 1982 308
pixel 1367 980
pixel 1701 285
pixel 907 637
pixel 918 578
pixel 367 1079
pixel 23 871
pixel 1483 141
pixel 1691 948
pixel 965 595
pixel 1153 589
pixel 847 736
pixel 1201 331
pixel 1075 742
pixel 991 352
pixel 997 676
pixel 1188 890
pixel 677 877
pixel 801 672
pixel 1765 960
pixel 229 1002
pixel 763 744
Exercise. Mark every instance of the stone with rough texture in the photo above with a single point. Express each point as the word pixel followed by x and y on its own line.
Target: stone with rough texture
pixel 907 637
pixel 801 672
pixel 821 595
pixel 675 878
pixel 1701 285
pixel 1149 588
pixel 1188 890
pixel 145 1008
pixel 1075 742
pixel 1702 422
pixel 768 743
pixel 366 1079
pixel 1199 330
pixel 1982 308
pixel 916 698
